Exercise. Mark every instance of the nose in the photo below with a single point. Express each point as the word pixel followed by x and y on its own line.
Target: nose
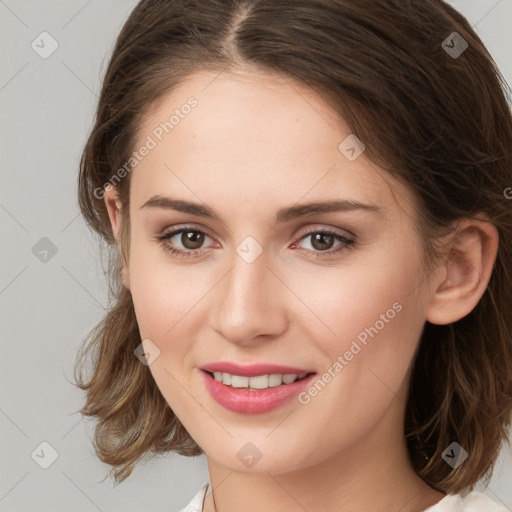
pixel 250 302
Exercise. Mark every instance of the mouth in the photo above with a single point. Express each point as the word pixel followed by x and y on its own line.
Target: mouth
pixel 259 382
pixel 255 394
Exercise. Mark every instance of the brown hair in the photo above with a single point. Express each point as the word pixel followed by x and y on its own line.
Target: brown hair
pixel 440 123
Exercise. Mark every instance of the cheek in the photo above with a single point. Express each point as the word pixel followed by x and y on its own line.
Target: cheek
pixel 368 323
pixel 367 297
pixel 366 361
pixel 164 293
pixel 164 297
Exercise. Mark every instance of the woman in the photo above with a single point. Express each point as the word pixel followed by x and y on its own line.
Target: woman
pixel 312 253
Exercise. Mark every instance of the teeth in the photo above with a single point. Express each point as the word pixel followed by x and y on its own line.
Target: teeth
pixel 258 382
pixel 274 380
pixel 239 382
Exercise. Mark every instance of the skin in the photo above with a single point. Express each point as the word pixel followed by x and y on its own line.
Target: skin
pixel 255 143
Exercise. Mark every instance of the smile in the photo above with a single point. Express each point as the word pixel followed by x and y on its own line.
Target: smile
pixel 256 394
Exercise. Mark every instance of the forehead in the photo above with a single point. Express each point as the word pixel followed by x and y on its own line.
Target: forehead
pixel 223 137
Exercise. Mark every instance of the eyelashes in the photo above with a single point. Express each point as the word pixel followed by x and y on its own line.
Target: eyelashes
pixel 345 243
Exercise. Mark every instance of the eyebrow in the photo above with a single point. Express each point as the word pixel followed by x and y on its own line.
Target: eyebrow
pixel 283 215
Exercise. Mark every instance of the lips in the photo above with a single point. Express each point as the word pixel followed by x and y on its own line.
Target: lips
pixel 253 401
pixel 253 370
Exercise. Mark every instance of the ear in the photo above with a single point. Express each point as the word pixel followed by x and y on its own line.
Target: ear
pixel 113 205
pixel 467 268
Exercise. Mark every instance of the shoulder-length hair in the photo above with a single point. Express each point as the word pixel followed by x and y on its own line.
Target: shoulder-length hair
pixel 417 85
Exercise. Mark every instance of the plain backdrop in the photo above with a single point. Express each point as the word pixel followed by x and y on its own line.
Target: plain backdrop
pixel 52 287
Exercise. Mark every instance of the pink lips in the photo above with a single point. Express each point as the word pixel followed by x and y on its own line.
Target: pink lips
pixel 253 401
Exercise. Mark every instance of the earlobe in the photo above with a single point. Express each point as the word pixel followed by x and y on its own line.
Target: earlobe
pixel 467 270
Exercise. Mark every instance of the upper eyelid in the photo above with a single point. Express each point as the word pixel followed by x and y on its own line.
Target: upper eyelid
pixel 178 229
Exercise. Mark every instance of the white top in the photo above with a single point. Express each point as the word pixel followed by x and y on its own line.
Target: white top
pixel 472 502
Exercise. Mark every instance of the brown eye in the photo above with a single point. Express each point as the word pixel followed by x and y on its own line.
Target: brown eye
pixel 184 242
pixel 322 241
pixel 192 239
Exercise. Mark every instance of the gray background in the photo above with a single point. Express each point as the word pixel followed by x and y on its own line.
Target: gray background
pixel 47 308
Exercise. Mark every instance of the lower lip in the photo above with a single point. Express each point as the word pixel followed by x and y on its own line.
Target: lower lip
pixel 253 401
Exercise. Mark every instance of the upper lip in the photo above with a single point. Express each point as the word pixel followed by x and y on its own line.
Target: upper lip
pixel 252 370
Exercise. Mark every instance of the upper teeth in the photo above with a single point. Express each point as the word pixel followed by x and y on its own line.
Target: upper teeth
pixel 259 382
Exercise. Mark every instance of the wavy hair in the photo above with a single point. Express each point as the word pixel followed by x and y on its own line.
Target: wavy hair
pixel 439 123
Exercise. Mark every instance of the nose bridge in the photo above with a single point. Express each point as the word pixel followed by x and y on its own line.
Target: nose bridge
pixel 248 299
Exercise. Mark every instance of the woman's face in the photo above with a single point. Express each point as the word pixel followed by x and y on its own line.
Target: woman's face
pixel 264 282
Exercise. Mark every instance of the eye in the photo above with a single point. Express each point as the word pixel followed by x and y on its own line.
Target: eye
pixel 189 237
pixel 192 239
pixel 322 242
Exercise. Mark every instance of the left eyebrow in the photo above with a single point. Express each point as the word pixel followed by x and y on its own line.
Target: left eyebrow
pixel 283 215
